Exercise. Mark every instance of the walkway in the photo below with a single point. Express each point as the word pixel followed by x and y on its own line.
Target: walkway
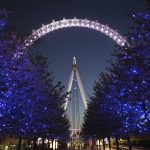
pixel 125 148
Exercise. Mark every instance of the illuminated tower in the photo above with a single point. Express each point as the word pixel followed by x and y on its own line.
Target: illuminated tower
pixel 72 90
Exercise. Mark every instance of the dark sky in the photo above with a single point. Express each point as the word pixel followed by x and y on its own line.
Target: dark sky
pixel 91 48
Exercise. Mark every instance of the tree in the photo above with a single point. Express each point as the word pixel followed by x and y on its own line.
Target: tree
pixel 102 118
pixel 15 86
pixel 30 105
pixel 49 119
pixel 129 84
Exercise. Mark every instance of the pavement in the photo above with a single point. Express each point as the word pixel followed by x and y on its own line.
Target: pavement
pixel 134 148
pixel 126 148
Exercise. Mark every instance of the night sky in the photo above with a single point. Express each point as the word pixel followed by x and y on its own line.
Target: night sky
pixel 91 48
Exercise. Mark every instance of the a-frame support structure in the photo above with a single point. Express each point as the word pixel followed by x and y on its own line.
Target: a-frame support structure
pixel 75 72
pixel 74 84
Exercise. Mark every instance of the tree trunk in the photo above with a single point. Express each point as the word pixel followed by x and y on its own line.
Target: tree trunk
pixel 117 143
pixel 55 143
pixel 109 143
pixel 52 143
pixel 103 144
pixel 19 142
pixel 43 144
pixel 28 143
pixel 99 144
pixel 95 145
pixel 34 143
pixel 48 144
pixel 129 143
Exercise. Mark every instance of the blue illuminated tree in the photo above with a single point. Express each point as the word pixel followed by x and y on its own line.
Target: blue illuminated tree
pixel 11 98
pixel 128 95
pixel 130 74
pixel 140 40
pixel 16 86
pixel 30 105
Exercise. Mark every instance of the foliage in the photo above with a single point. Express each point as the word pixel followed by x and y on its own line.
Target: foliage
pixel 121 97
pixel 30 105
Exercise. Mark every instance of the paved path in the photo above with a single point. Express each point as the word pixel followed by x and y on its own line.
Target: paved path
pixel 134 148
pixel 126 148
